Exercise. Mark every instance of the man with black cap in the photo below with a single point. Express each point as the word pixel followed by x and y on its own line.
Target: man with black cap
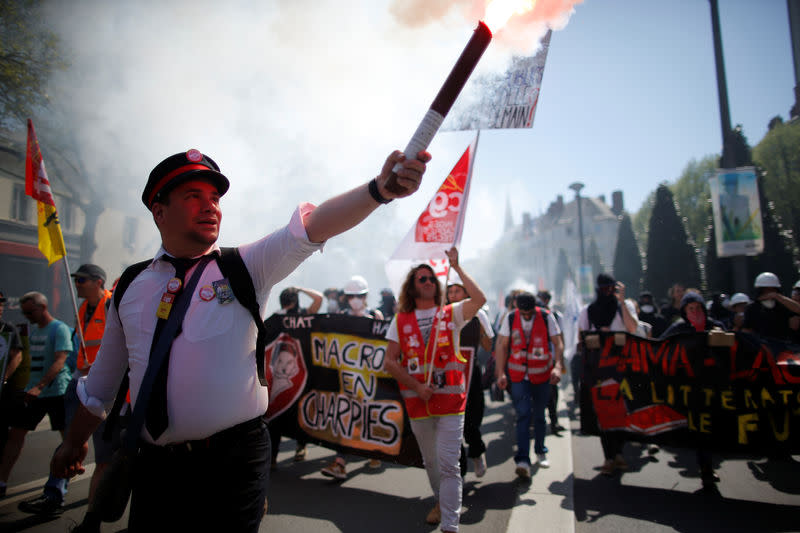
pixel 204 452
pixel 650 313
pixel 524 341
pixel 608 312
pixel 90 286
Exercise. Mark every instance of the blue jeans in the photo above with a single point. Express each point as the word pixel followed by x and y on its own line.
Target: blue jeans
pixel 530 401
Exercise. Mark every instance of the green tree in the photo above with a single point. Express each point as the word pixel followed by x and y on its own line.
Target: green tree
pixel 29 53
pixel 778 154
pixel 692 194
pixel 627 258
pixel 671 254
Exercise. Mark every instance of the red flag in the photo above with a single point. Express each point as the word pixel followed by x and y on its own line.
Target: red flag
pixel 438 227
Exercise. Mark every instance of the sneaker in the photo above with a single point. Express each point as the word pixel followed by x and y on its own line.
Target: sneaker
pixel 335 470
pixel 434 516
pixel 374 463
pixel 42 505
pixel 620 462
pixel 608 467
pixel 653 449
pixel 300 453
pixel 555 428
pixel 523 470
pixel 541 458
pixel 480 466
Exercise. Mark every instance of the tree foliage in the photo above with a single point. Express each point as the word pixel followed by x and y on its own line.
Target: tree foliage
pixel 627 258
pixel 692 193
pixel 778 154
pixel 671 254
pixel 29 53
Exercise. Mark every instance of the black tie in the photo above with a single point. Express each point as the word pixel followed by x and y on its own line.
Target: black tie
pixel 156 418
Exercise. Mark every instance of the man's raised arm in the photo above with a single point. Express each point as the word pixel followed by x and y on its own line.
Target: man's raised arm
pixel 342 212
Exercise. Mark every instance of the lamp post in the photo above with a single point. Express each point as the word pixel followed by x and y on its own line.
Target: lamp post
pixel 577 186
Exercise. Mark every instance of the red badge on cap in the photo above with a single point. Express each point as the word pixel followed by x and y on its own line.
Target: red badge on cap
pixel 194 155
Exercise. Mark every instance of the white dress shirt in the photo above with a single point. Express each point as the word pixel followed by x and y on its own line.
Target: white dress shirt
pixel 212 382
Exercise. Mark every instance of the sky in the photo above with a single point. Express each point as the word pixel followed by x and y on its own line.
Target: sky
pixel 299 100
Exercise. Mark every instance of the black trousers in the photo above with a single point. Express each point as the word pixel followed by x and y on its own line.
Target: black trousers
pixel 218 484
pixel 473 415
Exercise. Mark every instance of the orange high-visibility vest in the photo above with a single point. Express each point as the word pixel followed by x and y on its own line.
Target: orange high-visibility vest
pixel 533 358
pixel 93 331
pixel 449 374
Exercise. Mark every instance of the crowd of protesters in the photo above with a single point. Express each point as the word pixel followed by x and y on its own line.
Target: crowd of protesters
pixel 525 341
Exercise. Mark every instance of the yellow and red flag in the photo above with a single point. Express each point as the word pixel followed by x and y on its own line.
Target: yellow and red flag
pixel 37 186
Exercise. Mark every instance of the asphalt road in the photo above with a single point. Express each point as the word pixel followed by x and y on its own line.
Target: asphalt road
pixel 658 493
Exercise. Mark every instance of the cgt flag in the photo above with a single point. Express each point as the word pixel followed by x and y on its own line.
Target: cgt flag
pixel 37 186
pixel 438 228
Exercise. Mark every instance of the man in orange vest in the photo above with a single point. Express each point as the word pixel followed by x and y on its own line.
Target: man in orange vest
pixel 522 342
pixel 423 356
pixel 90 285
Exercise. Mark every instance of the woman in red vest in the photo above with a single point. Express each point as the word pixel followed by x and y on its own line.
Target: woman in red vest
pixel 423 356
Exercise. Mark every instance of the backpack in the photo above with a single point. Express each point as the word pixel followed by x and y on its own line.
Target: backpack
pixel 232 267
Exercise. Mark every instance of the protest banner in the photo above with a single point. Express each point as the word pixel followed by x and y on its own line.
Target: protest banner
pixel 327 383
pixel 686 391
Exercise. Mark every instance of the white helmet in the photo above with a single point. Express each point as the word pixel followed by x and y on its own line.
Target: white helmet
pixel 454 279
pixel 739 298
pixel 767 279
pixel 356 286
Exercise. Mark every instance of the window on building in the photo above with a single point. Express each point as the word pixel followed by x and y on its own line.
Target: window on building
pixel 21 205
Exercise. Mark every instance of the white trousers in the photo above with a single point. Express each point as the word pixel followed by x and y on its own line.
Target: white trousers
pixel 439 440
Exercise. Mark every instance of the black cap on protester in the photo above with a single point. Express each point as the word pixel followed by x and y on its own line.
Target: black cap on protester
pixel 179 168
pixel 91 271
pixel 526 301
pixel 605 280
pixel 690 297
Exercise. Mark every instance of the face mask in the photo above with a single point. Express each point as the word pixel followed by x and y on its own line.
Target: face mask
pixel 769 304
pixel 333 305
pixel 697 319
pixel 647 309
pixel 356 304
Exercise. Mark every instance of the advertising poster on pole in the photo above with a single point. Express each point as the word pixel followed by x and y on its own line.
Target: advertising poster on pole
pixel 737 212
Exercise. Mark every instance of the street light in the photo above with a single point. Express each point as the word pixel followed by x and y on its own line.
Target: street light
pixel 577 186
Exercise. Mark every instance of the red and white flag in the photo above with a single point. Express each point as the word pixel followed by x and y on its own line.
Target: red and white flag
pixel 437 229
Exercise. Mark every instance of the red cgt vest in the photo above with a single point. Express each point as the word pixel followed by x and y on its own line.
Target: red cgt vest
pixel 93 331
pixel 532 358
pixel 448 381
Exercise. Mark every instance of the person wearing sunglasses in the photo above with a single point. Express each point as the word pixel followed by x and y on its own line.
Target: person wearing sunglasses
pixel 423 356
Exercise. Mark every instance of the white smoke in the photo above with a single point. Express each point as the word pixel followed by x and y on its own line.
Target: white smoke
pixel 295 100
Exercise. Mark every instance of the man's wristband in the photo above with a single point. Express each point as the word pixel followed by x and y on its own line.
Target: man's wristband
pixel 376 194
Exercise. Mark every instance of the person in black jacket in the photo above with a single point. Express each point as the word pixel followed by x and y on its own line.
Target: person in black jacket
pixel 694 318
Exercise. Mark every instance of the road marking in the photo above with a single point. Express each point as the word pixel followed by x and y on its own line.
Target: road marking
pixel 555 510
